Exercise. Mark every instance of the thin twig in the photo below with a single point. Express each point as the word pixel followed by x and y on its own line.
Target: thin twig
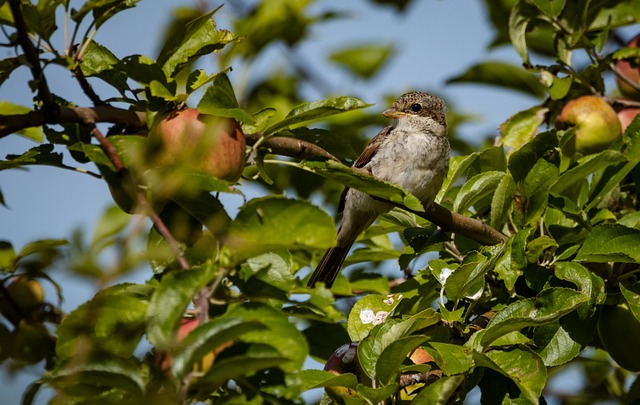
pixel 31 54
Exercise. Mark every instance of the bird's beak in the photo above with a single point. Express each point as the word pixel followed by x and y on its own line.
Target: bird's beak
pixel 393 113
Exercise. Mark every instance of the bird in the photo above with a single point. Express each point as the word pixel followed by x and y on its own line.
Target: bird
pixel 413 153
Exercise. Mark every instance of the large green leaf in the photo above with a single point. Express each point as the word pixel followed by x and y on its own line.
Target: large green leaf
pixel 370 311
pixel 392 357
pixel 501 74
pixel 318 378
pixel 439 392
pixel 611 243
pixel 170 300
pixel 502 201
pixel 554 345
pixel 274 223
pixel 452 359
pixel 521 16
pixel 585 166
pixel 280 334
pixel 549 306
pixel 114 321
pixel 198 37
pixel 206 338
pixel 100 62
pixel 365 183
pixel 536 185
pixel 364 60
pixel 102 10
pixel 521 162
pixel 633 300
pixel 220 100
pixel 477 188
pixel 522 366
pixel 317 109
pixel 522 127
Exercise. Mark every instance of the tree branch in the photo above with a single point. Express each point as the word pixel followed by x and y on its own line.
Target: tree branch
pixel 296 148
pixel 31 54
pixel 13 123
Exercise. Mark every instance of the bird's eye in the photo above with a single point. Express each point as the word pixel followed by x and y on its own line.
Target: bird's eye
pixel 416 107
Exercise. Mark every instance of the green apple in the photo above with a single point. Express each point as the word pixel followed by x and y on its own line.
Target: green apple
pixel 596 122
pixel 203 142
pixel 31 342
pixel 619 332
pixel 26 292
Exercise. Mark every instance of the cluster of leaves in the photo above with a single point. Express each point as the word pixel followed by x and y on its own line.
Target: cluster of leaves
pixel 571 221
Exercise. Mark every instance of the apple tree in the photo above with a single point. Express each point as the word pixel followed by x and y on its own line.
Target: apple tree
pixel 527 265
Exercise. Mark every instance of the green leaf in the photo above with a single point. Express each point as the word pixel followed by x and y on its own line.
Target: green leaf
pixel 585 166
pixel 41 245
pixel 198 37
pixel 273 223
pixel 511 265
pixel 477 188
pixel 452 359
pixel 280 334
pixel 7 255
pixel 365 183
pixel 113 320
pixel 439 392
pixel 197 79
pixel 633 299
pixel 112 221
pixel 239 366
pixel 611 243
pixel 220 100
pixel 522 366
pixel 519 19
pixel 7 66
pixel 143 70
pixel 589 283
pixel 377 395
pixel 537 184
pixel 392 357
pixel 502 201
pixel 549 306
pixel 458 167
pixel 502 74
pixel 7 108
pixel 105 373
pixel 170 300
pixel 208 337
pixel 521 162
pixel 550 8
pixel 370 311
pixel 100 62
pixel 41 18
pixel 522 127
pixel 101 9
pixel 318 378
pixel 317 109
pixel 554 345
pixel 363 61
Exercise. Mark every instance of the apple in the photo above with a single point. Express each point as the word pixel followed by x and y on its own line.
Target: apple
pixel 26 293
pixel 203 142
pixel 619 331
pixel 630 70
pixel 626 116
pixel 343 360
pixel 596 122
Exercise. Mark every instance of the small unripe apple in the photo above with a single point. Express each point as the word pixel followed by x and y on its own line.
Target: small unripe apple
pixel 596 122
pixel 619 331
pixel 203 142
pixel 26 292
pixel 630 70
pixel 626 116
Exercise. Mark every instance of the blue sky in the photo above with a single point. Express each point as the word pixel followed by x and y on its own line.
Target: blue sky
pixel 435 39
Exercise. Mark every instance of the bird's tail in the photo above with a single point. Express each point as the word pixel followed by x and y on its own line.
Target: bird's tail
pixel 329 266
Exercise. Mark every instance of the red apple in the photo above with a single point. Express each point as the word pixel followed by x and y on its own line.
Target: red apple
pixel 630 70
pixel 343 360
pixel 626 116
pixel 203 142
pixel 597 125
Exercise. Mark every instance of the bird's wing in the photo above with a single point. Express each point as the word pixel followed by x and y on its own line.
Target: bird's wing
pixel 365 157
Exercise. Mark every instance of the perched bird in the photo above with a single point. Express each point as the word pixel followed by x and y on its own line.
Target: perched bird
pixel 412 153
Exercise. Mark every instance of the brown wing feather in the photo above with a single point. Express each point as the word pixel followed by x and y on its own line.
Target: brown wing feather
pixel 365 157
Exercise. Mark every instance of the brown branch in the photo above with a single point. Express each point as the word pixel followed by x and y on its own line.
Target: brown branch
pixel 141 198
pixel 13 123
pixel 296 148
pixel 31 54
pixel 86 87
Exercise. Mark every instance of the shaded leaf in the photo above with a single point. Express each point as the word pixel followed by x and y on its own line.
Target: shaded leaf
pixel 274 223
pixel 364 60
pixel 452 359
pixel 439 392
pixel 7 108
pixel 392 357
pixel 220 100
pixel 554 345
pixel 611 243
pixel 318 378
